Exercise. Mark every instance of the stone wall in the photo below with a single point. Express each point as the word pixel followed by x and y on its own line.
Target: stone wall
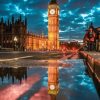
pixel 93 64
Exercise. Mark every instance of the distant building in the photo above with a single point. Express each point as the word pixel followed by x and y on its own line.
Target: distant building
pixel 12 33
pixel 70 46
pixel 50 42
pixel 36 42
pixel 92 38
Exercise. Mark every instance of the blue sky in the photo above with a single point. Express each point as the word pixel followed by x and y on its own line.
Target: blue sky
pixel 75 15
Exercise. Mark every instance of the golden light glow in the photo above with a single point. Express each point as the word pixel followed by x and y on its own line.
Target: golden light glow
pixel 36 43
pixel 41 42
pixel 53 74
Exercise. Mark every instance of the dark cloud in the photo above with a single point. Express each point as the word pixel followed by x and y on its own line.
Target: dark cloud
pixel 74 15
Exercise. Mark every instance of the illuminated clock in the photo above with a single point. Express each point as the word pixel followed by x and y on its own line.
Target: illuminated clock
pixel 52 11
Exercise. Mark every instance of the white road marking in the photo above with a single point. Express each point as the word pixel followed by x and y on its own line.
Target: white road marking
pixel 15 58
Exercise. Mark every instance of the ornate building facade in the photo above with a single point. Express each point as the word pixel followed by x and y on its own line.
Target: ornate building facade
pixel 53 25
pixel 14 34
pixel 41 42
pixel 36 42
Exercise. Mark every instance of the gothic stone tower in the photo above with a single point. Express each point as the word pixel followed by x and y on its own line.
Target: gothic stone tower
pixel 53 25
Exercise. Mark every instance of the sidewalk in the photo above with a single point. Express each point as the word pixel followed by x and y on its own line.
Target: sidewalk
pixel 95 55
pixel 93 63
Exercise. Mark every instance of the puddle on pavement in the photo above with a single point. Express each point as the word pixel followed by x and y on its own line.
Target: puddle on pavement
pixel 46 80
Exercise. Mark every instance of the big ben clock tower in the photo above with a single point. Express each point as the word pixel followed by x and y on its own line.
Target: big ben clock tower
pixel 53 25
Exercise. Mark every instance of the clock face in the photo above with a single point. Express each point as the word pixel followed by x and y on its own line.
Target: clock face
pixel 52 11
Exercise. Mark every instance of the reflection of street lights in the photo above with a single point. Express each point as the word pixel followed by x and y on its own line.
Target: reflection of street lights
pixel 15 41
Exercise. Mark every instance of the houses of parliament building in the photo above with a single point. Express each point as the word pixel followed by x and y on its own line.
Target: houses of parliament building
pixel 14 35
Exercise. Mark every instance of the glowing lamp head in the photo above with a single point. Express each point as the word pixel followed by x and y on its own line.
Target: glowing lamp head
pixel 15 39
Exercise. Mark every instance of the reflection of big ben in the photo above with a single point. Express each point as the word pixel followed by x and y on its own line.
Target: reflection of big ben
pixel 53 77
pixel 53 25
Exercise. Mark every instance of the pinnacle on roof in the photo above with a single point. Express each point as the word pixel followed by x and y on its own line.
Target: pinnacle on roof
pixel 53 2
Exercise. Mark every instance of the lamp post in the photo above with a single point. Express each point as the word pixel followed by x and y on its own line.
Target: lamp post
pixel 15 41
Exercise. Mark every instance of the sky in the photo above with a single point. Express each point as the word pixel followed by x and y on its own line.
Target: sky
pixel 75 15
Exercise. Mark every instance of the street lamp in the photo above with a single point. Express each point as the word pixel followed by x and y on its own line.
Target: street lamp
pixel 15 41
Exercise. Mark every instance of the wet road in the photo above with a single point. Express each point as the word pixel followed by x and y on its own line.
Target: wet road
pixel 15 54
pixel 30 82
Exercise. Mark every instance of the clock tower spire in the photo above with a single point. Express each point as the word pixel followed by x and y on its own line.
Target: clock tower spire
pixel 53 25
pixel 53 2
